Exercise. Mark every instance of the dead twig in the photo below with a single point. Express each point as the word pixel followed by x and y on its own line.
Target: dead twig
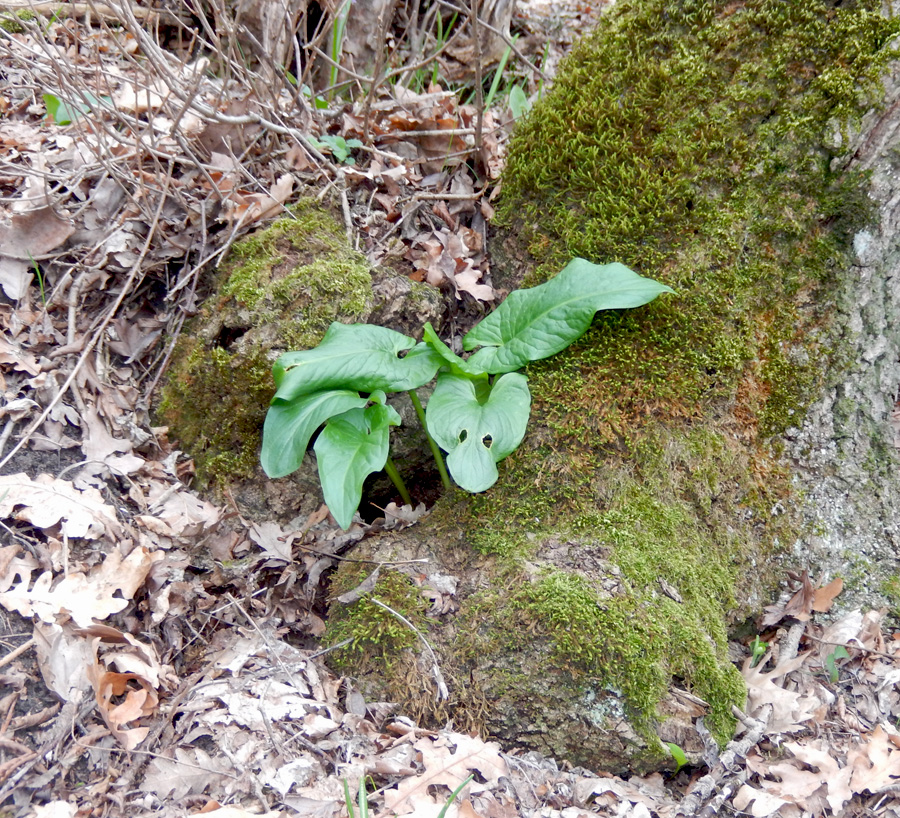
pixel 443 691
pixel 136 270
pixel 15 654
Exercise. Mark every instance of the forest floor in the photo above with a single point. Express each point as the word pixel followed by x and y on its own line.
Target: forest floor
pixel 159 649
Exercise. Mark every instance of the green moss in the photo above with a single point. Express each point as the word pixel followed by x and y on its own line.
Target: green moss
pixel 685 141
pixel 378 639
pixel 300 269
pixel 216 404
pixel 12 21
pixel 280 289
pixel 668 524
pixel 891 589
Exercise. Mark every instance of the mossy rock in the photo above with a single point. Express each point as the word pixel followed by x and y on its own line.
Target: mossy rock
pixel 278 290
pixel 676 451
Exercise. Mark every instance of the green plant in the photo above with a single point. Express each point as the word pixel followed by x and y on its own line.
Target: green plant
pixel 758 649
pixel 519 103
pixel 480 406
pixel 840 652
pixel 362 799
pixel 498 74
pixel 40 278
pixel 64 113
pixel 338 29
pixel 337 146
pixel 678 755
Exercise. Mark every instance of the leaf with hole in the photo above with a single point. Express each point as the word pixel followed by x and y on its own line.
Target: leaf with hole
pixel 290 424
pixel 348 450
pixel 478 425
pixel 541 321
pixel 355 356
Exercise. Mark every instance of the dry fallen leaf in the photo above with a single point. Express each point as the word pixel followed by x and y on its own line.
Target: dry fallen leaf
pixel 191 771
pixel 763 804
pixel 27 236
pixel 103 592
pixel 798 606
pixel 46 501
pixel 816 754
pixel 823 598
pixel 875 764
pixel 789 708
pixel 448 760
pixel 63 659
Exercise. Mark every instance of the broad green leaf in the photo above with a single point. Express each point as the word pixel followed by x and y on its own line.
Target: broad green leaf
pixel 478 433
pixel 457 365
pixel 518 102
pixel 541 321
pixel 354 356
pixel 65 113
pixel 349 449
pixel 677 755
pixel 290 424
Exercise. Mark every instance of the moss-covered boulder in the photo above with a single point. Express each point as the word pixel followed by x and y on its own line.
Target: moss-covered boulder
pixel 582 606
pixel 278 290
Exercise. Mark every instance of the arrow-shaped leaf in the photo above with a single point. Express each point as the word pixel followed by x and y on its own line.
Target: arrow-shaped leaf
pixel 477 434
pixel 290 424
pixel 355 356
pixel 349 449
pixel 541 321
pixel 457 365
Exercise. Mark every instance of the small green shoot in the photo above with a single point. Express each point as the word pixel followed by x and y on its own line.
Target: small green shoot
pixel 65 113
pixel 320 102
pixel 337 42
pixel 677 755
pixel 337 146
pixel 479 410
pixel 758 649
pixel 362 799
pixel 40 279
pixel 498 74
pixel 519 103
pixel 840 652
pixel 452 797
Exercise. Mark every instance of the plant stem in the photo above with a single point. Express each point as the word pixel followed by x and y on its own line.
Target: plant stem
pixel 391 471
pixel 438 457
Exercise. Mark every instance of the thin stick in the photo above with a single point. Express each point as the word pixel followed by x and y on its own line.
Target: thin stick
pixel 479 90
pixel 438 457
pixel 15 654
pixel 443 691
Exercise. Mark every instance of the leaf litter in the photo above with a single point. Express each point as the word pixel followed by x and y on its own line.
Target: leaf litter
pixel 158 668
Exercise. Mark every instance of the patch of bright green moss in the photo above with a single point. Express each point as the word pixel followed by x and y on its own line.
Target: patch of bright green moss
pixel 215 405
pixel 280 289
pixel 12 21
pixel 378 637
pixel 684 140
pixel 688 513
pixel 299 273
pixel 891 589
